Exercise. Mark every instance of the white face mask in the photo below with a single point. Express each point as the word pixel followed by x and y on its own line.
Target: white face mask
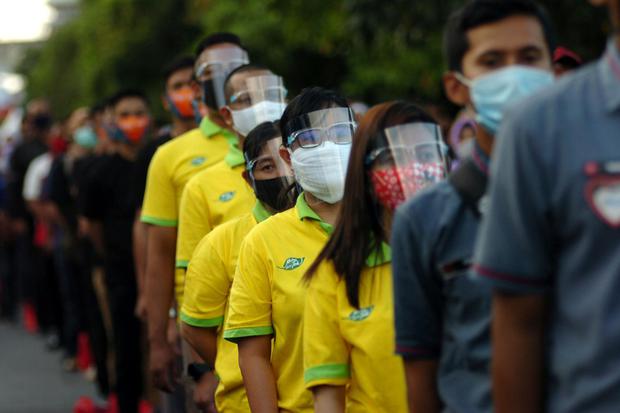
pixel 322 170
pixel 245 120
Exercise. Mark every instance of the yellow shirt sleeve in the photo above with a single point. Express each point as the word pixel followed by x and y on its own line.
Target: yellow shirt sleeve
pixel 194 221
pixel 249 312
pixel 326 354
pixel 160 201
pixel 207 285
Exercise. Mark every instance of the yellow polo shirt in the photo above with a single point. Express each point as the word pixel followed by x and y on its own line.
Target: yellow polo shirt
pixel 211 198
pixel 267 296
pixel 174 163
pixel 207 285
pixel 346 346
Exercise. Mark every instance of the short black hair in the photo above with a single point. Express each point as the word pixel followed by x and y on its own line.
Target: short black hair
pixel 180 63
pixel 250 67
pixel 127 93
pixel 309 100
pixel 217 38
pixel 480 12
pixel 258 137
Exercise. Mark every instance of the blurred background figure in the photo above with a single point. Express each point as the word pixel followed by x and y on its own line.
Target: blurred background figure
pixel 565 61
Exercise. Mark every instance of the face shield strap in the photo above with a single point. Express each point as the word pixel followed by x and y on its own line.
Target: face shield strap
pixel 319 119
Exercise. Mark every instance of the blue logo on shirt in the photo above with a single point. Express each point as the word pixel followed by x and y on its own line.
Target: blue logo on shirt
pixel 227 196
pixel 198 161
pixel 361 314
pixel 291 263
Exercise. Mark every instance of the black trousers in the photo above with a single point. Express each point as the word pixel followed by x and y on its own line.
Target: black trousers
pixel 122 294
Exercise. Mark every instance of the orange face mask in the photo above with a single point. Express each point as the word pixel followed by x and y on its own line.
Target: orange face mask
pixel 133 128
pixel 180 102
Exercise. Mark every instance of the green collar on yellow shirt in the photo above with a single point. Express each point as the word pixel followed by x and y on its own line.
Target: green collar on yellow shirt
pixel 260 212
pixel 374 259
pixel 234 157
pixel 304 211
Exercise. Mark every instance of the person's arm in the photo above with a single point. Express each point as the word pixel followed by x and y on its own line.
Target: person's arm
pixel 417 308
pixel 139 253
pixel 194 220
pixel 159 293
pixel 422 386
pixel 515 258
pixel 258 376
pixel 518 338
pixel 329 399
pixel 203 341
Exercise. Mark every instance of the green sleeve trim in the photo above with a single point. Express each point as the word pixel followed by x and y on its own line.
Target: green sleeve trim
pixel 233 335
pixel 327 371
pixel 158 221
pixel 202 322
pixel 182 263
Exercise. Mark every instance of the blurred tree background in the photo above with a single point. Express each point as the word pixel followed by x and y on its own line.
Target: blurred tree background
pixel 372 50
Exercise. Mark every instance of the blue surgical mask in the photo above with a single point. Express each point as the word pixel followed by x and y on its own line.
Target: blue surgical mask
pixel 495 92
pixel 85 137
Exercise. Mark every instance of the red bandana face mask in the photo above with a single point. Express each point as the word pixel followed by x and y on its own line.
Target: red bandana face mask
pixel 181 102
pixel 394 185
pixel 134 127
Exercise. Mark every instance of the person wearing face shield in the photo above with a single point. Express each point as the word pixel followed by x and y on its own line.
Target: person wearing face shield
pixel 110 212
pixel 348 338
pixel 498 52
pixel 549 246
pixel 254 95
pixel 173 164
pixel 267 296
pixel 212 268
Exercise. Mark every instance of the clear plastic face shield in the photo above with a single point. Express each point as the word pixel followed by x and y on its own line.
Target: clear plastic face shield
pixel 414 157
pixel 211 70
pixel 260 99
pixel 271 178
pixel 320 145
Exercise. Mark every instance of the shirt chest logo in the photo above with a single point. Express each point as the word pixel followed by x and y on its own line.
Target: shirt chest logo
pixel 603 191
pixel 227 196
pixel 197 161
pixel 291 263
pixel 361 314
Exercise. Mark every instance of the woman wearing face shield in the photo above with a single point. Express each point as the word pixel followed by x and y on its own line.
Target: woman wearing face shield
pixel 212 267
pixel 267 297
pixel 349 338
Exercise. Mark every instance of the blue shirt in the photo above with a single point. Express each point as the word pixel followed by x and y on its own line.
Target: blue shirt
pixel 441 311
pixel 554 227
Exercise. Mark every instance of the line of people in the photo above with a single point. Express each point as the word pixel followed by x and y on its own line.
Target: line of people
pixel 296 256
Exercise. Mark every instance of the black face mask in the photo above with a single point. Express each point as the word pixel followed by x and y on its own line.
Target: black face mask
pixel 213 92
pixel 276 193
pixel 42 121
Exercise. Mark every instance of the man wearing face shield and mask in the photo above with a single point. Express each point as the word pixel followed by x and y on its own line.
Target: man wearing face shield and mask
pixel 172 166
pixel 498 52
pixel 267 295
pixel 550 247
pixel 253 95
pixel 211 270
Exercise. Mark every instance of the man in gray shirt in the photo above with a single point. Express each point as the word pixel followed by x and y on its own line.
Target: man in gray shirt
pixel 550 245
pixel 493 48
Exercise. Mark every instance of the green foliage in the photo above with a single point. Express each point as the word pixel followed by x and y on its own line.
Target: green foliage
pixel 371 49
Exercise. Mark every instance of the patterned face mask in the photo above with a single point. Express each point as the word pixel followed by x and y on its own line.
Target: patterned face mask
pixel 392 186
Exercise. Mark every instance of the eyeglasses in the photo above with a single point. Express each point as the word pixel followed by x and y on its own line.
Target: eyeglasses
pixel 339 133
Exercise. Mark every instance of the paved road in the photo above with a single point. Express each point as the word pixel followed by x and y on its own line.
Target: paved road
pixel 31 379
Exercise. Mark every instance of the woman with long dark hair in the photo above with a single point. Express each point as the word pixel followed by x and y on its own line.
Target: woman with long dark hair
pixel 265 316
pixel 349 339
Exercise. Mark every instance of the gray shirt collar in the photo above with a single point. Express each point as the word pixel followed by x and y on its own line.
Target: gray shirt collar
pixel 610 77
